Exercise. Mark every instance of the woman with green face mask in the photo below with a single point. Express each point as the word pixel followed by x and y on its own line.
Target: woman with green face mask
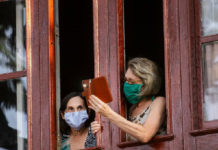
pixel 147 113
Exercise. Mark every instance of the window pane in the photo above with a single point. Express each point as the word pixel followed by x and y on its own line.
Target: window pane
pixel 209 17
pixel 210 80
pixel 13 114
pixel 12 36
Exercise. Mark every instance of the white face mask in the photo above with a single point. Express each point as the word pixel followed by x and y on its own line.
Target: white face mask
pixel 77 119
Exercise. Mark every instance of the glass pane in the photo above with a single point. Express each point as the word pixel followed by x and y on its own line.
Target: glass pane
pixel 210 80
pixel 209 17
pixel 12 36
pixel 13 114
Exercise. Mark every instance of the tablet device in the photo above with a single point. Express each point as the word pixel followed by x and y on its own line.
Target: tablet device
pixel 98 87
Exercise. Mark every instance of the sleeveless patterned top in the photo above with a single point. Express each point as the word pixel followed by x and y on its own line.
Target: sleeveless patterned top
pixel 141 119
pixel 90 141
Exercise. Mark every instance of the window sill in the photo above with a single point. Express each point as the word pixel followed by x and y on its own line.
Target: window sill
pixel 160 138
pixel 94 148
pixel 204 131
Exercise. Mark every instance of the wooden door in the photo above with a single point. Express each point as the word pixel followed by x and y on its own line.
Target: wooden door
pixel 187 54
pixel 110 61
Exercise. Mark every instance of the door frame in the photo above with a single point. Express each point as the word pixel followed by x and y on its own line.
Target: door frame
pixel 41 94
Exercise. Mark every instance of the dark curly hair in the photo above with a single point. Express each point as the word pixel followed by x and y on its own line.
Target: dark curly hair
pixel 64 127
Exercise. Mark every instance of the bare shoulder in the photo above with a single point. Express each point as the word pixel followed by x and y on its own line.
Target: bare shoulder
pixel 159 101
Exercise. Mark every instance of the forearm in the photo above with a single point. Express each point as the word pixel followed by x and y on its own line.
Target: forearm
pixel 142 133
pixel 135 130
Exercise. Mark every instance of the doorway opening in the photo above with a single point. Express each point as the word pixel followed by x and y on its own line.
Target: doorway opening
pixel 76 44
pixel 144 36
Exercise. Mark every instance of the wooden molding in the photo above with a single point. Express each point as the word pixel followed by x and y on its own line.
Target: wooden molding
pixel 12 75
pixel 156 139
pixel 201 132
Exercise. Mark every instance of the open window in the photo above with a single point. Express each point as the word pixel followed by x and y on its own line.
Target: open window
pixel 144 35
pixel 141 28
pixel 76 44
pixel 76 52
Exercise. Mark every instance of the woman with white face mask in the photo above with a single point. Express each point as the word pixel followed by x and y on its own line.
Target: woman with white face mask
pixel 75 123
pixel 147 112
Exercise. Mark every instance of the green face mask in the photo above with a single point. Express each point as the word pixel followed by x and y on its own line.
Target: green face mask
pixel 131 92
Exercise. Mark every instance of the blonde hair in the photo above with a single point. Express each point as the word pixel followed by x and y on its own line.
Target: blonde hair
pixel 148 72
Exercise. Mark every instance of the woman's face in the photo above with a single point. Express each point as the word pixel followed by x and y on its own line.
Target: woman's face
pixel 75 104
pixel 131 78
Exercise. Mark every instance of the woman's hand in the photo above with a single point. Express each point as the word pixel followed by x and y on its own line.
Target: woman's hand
pixel 95 127
pixel 99 106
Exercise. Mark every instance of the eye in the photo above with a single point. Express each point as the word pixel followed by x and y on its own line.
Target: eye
pixel 80 108
pixel 130 81
pixel 70 109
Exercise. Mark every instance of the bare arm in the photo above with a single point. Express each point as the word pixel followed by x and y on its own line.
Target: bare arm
pixel 144 132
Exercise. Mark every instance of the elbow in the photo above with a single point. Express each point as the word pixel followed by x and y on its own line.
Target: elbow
pixel 144 140
pixel 143 136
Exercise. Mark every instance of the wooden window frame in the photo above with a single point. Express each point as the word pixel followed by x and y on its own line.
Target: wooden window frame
pixel 200 125
pixel 14 75
pixel 161 138
pixel 41 79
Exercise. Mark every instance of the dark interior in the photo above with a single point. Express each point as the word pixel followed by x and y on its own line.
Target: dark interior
pixel 144 32
pixel 76 44
pixel 143 38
